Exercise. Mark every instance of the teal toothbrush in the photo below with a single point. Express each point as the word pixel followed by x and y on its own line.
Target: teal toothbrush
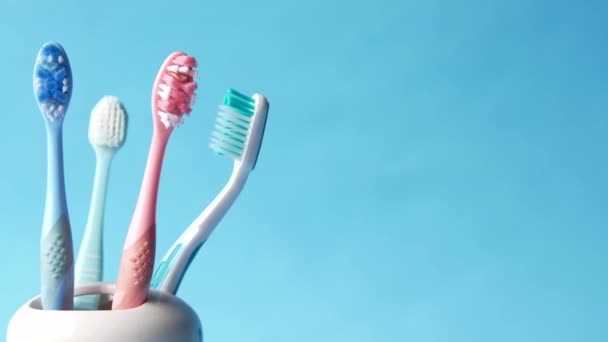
pixel 107 132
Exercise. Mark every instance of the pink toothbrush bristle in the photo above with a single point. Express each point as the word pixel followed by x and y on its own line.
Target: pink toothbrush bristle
pixel 177 86
pixel 185 60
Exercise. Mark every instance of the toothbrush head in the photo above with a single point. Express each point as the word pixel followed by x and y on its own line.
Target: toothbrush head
pixel 52 81
pixel 108 123
pixel 239 127
pixel 173 92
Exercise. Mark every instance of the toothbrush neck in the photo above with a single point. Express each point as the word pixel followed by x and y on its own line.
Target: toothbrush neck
pixel 100 186
pixel 237 178
pixel 220 205
pixel 55 176
pixel 235 184
pixel 145 211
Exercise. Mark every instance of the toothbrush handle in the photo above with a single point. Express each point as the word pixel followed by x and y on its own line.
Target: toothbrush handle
pixel 56 250
pixel 89 263
pixel 57 267
pixel 139 250
pixel 170 272
pixel 172 268
pixel 132 286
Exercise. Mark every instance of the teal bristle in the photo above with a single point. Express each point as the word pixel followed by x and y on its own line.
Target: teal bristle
pixel 239 102
pixel 232 124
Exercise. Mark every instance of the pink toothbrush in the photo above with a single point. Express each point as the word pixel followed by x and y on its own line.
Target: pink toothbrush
pixel 172 97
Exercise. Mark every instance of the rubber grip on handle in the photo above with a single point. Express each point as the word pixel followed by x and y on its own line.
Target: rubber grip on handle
pixel 135 274
pixel 57 267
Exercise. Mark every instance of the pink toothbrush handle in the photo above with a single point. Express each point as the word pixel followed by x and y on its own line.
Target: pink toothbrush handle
pixel 137 262
pixel 135 274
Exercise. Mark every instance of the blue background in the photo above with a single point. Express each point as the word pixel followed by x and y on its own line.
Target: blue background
pixel 431 171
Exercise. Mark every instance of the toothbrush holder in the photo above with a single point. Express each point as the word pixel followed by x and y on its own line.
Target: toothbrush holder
pixel 163 318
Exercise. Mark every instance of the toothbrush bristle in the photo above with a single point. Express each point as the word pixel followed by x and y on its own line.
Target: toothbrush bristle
pixel 232 124
pixel 174 90
pixel 52 80
pixel 108 123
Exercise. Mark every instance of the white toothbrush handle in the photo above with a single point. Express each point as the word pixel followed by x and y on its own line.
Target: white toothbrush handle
pixel 175 263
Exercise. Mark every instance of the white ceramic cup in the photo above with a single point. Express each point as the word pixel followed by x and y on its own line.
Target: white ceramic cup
pixel 163 318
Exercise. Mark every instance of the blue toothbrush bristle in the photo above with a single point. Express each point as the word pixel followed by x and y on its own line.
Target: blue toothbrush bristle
pixel 52 80
pixel 232 124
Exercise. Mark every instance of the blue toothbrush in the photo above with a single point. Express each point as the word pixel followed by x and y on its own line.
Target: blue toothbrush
pixel 53 91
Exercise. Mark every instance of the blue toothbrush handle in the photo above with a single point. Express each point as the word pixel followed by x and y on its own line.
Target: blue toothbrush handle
pixel 57 267
pixel 56 250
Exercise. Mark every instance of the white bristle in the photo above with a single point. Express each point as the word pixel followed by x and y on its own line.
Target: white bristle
pixel 230 134
pixel 108 123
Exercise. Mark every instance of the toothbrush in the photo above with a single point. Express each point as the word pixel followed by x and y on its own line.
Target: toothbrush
pixel 107 131
pixel 172 97
pixel 53 91
pixel 239 130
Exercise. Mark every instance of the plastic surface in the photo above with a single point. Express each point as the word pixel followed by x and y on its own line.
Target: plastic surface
pixel 172 96
pixel 163 318
pixel 53 90
pixel 134 275
pixel 89 264
pixel 57 266
pixel 136 272
pixel 107 134
pixel 173 266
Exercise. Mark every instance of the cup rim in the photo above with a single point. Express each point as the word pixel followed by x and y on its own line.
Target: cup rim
pixel 106 289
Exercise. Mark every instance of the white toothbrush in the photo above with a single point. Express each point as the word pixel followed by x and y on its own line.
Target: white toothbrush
pixel 238 133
